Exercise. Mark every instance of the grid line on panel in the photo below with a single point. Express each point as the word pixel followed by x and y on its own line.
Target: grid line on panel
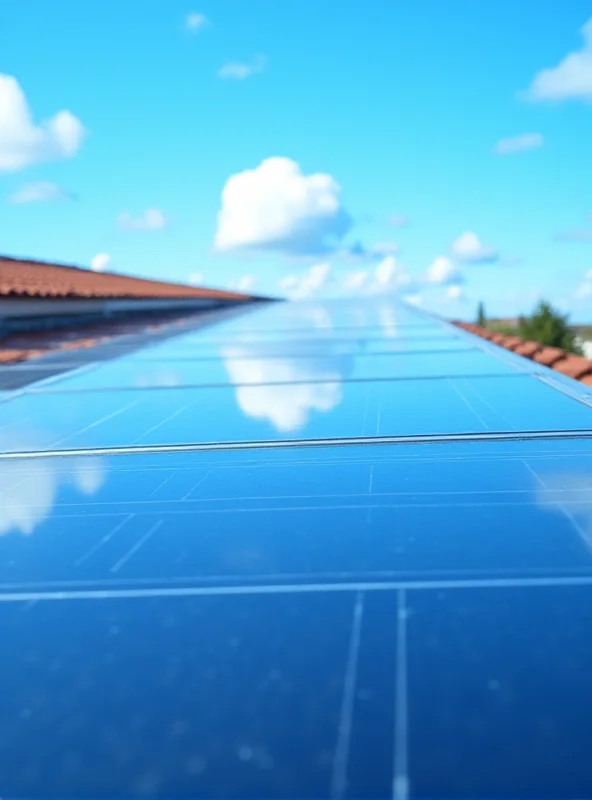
pixel 103 540
pixel 340 762
pixel 309 382
pixel 136 546
pixel 400 786
pixel 98 422
pixel 443 438
pixel 27 595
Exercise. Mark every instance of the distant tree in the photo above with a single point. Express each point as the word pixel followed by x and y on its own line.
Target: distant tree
pixel 481 319
pixel 548 326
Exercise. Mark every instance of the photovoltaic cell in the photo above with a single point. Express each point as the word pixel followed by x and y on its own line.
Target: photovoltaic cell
pixel 268 620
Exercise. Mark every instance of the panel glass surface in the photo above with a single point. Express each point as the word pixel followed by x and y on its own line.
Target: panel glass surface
pixel 324 514
pixel 264 622
pixel 245 368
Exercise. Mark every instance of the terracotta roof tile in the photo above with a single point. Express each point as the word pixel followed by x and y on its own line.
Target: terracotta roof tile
pixel 512 342
pixel 22 278
pixel 549 356
pixel 574 366
pixel 527 348
pixel 566 363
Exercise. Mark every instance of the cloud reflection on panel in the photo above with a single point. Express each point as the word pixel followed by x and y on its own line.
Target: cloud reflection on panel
pixel 286 391
pixel 28 497
pixel 568 493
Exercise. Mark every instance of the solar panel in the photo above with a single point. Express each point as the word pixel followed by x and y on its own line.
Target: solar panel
pixel 347 586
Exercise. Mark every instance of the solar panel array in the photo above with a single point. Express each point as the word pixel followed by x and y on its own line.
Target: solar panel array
pixel 315 550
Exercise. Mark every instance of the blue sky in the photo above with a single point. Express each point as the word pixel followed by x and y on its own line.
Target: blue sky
pixel 398 106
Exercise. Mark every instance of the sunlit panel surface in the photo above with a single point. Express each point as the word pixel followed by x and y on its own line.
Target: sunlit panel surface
pixel 313 550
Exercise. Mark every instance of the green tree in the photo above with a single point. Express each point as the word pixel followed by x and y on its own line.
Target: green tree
pixel 549 327
pixel 481 319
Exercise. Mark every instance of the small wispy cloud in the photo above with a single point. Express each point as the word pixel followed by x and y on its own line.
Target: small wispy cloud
pixel 517 144
pixel 196 279
pixel 575 235
pixel 40 192
pixel 398 220
pixel 150 220
pixel 239 71
pixel 195 21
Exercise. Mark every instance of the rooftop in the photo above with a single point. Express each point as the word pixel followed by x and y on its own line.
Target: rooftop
pixel 36 279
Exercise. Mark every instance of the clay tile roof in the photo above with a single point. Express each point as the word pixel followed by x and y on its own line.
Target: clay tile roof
pixel 512 342
pixel 549 356
pixel 527 348
pixel 574 366
pixel 22 278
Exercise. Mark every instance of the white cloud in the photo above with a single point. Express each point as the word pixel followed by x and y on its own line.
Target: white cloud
pixel 387 277
pixel 455 292
pixel 40 192
pixel 238 71
pixel 314 385
pixel 276 207
pixel 150 220
pixel 385 248
pixel 297 287
pixel 444 271
pixel 195 21
pixel 571 79
pixel 246 283
pixel 516 144
pixel 468 247
pixel 356 280
pixel 196 278
pixel 28 499
pixel 22 141
pixel 415 299
pixel 398 220
pixel 101 262
pixel 584 290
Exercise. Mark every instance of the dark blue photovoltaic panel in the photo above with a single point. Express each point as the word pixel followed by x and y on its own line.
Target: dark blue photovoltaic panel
pixel 267 621
pixel 286 412
pixel 523 657
pixel 248 369
pixel 370 514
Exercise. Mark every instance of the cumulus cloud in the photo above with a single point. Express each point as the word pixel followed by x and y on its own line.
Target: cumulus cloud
pixel 24 142
pixel 276 207
pixel 40 192
pixel 150 220
pixel 101 262
pixel 239 71
pixel 517 144
pixel 195 21
pixel 298 287
pixel 443 271
pixel 571 79
pixel 468 247
pixel 311 384
pixel 388 277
